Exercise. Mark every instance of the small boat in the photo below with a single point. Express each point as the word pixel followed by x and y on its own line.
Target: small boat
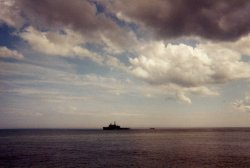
pixel 114 127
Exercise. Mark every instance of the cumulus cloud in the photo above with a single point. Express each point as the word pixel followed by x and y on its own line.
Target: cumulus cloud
pixel 241 45
pixel 179 64
pixel 186 66
pixel 218 20
pixel 7 53
pixel 188 69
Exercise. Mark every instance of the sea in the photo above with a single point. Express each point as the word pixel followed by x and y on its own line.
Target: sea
pixel 136 148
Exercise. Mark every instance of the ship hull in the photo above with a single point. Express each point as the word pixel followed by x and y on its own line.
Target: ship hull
pixel 108 128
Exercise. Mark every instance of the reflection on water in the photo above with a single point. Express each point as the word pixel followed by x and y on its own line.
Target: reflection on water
pixel 133 148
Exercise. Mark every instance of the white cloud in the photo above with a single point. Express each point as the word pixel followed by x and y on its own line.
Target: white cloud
pixel 180 96
pixel 27 75
pixel 116 42
pixel 114 62
pixel 39 74
pixel 241 45
pixel 242 105
pixel 7 53
pixel 67 44
pixel 188 69
pixel 178 64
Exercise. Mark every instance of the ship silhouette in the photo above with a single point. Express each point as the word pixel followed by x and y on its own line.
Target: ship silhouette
pixel 114 127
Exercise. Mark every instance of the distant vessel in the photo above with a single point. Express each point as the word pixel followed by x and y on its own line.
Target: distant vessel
pixel 114 127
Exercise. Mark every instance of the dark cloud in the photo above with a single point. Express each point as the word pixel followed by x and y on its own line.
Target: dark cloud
pixel 77 14
pixel 87 17
pixel 212 19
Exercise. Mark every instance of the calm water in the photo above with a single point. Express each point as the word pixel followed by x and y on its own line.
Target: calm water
pixel 123 149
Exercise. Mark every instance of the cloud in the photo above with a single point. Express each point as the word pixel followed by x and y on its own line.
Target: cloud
pixel 243 105
pixel 10 13
pixel 187 69
pixel 7 53
pixel 26 75
pixel 180 96
pixel 217 20
pixel 66 43
pixel 114 63
pixel 87 31
pixel 186 66
pixel 241 45
pixel 24 78
pixel 80 15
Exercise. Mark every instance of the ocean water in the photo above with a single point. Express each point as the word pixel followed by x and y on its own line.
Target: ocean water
pixel 173 148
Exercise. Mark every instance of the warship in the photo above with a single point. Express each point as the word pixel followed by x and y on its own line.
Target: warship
pixel 114 127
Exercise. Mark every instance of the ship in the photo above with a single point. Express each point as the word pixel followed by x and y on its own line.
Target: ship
pixel 114 127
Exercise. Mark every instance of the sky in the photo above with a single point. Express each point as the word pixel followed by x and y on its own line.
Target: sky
pixel 162 63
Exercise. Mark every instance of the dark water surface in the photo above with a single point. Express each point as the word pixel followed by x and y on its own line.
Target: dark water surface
pixel 123 149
